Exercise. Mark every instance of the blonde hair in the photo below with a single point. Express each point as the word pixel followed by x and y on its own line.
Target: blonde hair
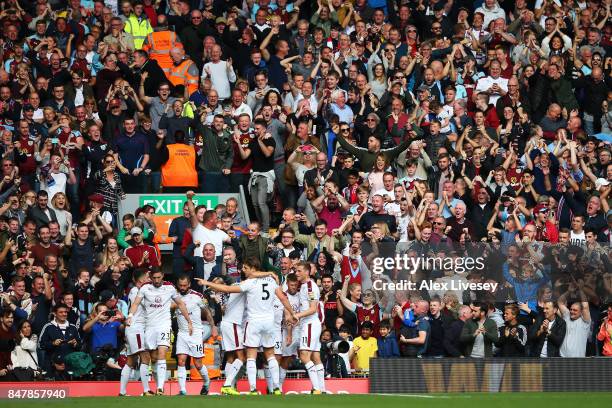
pixel 384 228
pixel 107 259
pixel 66 202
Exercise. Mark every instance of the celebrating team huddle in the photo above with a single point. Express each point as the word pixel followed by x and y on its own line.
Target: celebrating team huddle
pixel 247 327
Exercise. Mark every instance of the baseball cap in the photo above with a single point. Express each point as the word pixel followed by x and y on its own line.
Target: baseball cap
pixel 28 107
pixel 439 6
pixel 220 20
pixel 96 198
pixel 540 208
pixel 106 295
pixel 136 230
pixel 601 182
pixel 58 359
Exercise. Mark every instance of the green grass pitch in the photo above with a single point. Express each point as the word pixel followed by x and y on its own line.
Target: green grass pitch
pixel 501 400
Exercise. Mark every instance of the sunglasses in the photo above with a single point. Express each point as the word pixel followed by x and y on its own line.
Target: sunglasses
pixel 345 129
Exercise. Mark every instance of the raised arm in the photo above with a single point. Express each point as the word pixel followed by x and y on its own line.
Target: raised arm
pixel 345 301
pixel 192 215
pixel 217 287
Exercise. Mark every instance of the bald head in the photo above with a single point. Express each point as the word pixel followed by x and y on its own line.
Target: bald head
pixel 177 54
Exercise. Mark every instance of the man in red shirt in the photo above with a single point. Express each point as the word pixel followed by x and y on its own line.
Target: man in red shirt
pixel 44 247
pixel 546 230
pixel 141 254
pixel 329 206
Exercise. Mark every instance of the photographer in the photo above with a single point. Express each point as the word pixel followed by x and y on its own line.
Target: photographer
pixel 104 328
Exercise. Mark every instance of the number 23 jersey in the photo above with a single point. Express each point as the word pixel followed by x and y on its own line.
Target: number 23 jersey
pixel 157 302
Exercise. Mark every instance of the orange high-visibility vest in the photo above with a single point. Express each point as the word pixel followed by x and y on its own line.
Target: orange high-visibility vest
pixel 158 45
pixel 211 360
pixel 180 169
pixel 179 75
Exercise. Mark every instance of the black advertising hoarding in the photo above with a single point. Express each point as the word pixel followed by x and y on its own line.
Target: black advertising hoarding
pixel 423 375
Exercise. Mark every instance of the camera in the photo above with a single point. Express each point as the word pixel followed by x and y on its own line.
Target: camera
pixel 338 347
pixel 109 313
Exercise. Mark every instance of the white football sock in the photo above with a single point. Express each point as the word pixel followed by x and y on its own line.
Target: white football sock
pixel 274 374
pixel 231 371
pixel 321 374
pixel 252 373
pixel 282 373
pixel 181 376
pixel 237 366
pixel 125 377
pixel 312 374
pixel 268 376
pixel 161 374
pixel 144 377
pixel 204 374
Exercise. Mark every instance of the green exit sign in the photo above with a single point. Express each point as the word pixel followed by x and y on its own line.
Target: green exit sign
pixel 173 204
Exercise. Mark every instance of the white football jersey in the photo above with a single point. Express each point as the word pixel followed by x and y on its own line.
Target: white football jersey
pixel 294 301
pixel 194 302
pixel 157 302
pixel 309 291
pixel 279 312
pixel 260 297
pixel 139 318
pixel 235 308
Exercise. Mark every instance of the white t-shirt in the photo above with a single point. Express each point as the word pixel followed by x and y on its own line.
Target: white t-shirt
pixel 194 302
pixel 444 117
pixel 220 77
pixel 576 336
pixel 207 236
pixel 57 184
pixel 382 192
pixel 259 298
pixel 157 302
pixel 578 239
pixel 485 83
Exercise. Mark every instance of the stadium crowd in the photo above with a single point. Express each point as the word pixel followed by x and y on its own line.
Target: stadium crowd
pixel 357 130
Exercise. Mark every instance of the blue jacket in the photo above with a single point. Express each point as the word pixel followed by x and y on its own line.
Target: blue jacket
pixel 52 332
pixel 388 347
pixel 525 290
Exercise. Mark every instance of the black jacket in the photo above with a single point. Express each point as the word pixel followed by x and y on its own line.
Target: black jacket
pixel 52 332
pixel 452 346
pixel 512 345
pixel 39 216
pixel 555 338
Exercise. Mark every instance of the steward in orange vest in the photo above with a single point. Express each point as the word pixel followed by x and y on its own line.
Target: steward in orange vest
pixel 179 169
pixel 159 43
pixel 184 71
